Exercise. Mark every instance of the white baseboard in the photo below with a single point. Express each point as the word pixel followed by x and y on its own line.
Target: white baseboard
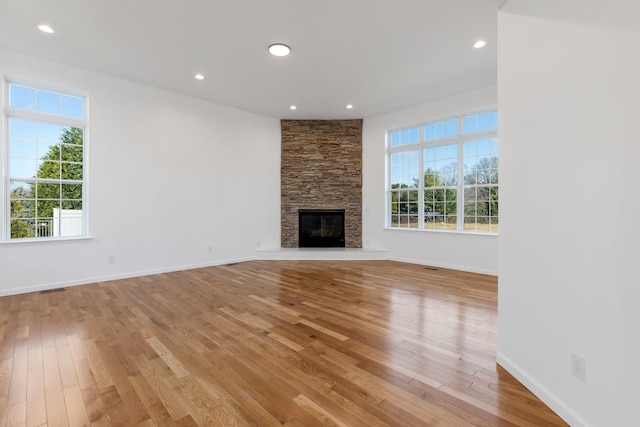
pixel 127 275
pixel 443 265
pixel 551 400
pixel 264 254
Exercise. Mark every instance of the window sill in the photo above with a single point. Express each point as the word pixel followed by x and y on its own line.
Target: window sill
pixel 458 232
pixel 43 240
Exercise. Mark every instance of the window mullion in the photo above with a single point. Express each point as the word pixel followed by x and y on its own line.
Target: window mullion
pixel 460 171
pixel 421 181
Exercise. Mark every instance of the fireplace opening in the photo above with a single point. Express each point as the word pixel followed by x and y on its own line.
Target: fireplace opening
pixel 321 228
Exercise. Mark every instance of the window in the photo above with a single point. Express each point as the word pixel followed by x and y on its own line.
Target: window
pixel 443 175
pixel 45 148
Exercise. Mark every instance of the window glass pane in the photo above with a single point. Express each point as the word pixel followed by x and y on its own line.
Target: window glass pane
pixel 484 122
pixel 395 173
pixel 440 165
pixel 21 229
pixel 71 192
pixel 21 128
pixel 405 169
pixel 71 153
pixel 19 188
pixel 48 102
pixel 470 148
pixel 414 135
pixel 48 132
pixel 395 138
pixel 430 132
pixel 430 178
pixel 484 146
pixel 22 97
pixel 20 148
pixel 22 208
pixel 493 174
pixel 470 124
pixel 72 171
pixel 73 106
pixel 48 150
pixel 410 136
pixel 22 168
pixel 452 151
pixel 28 98
pixel 429 154
pixel 49 169
pixel 405 136
pixel 481 162
pixel 47 191
pixel 481 122
pixel 450 174
pixel 493 225
pixel 67 222
pixel 43 226
pixel 452 127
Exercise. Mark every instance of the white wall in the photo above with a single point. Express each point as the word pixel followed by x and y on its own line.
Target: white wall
pixel 169 177
pixel 478 253
pixel 569 97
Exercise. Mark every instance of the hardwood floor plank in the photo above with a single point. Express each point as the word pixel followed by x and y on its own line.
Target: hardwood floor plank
pixel 18 386
pixel 36 403
pixel 326 417
pixel 16 415
pixel 76 411
pixel 56 409
pixel 263 343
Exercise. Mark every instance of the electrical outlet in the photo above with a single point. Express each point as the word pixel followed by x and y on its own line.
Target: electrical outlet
pixel 578 366
pixel 111 259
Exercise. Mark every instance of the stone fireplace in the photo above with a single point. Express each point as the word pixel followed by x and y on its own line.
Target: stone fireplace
pixel 321 169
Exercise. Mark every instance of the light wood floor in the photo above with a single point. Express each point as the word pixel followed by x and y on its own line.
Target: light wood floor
pixel 264 343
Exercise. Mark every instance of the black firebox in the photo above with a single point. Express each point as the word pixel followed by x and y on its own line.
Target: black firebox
pixel 321 228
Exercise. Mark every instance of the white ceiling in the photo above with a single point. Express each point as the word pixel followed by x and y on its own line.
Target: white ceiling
pixel 379 55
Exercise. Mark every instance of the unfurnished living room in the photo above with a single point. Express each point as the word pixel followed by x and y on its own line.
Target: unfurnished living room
pixel 336 213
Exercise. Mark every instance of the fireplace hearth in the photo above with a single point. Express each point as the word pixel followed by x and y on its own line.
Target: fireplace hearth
pixel 321 228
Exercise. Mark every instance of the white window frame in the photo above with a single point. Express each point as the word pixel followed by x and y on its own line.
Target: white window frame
pixel 58 119
pixel 459 140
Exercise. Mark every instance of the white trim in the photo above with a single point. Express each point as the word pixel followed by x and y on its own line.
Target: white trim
pixel 318 254
pixel 551 400
pixel 39 116
pixel 432 230
pixel 444 265
pixel 32 240
pixel 98 279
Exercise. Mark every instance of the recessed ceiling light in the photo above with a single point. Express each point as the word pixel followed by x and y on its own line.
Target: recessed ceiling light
pixel 293 107
pixel 199 76
pixel 349 106
pixel 479 44
pixel 279 49
pixel 45 28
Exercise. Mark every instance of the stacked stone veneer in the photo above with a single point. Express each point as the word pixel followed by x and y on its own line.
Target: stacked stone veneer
pixel 321 169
